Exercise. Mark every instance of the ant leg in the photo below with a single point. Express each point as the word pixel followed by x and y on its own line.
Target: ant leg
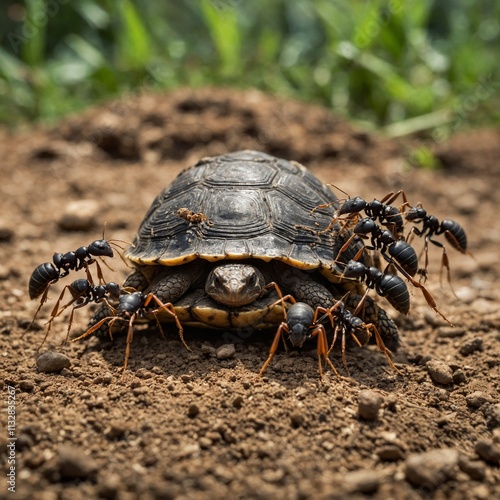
pixel 427 295
pixel 43 299
pixel 169 308
pixel 282 299
pixel 119 251
pixel 130 336
pixel 445 262
pixel 70 321
pixel 380 344
pixel 102 281
pixel 343 350
pixel 361 303
pixel 49 325
pixel 95 327
pixel 323 350
pixel 274 347
pixel 324 205
pixel 345 246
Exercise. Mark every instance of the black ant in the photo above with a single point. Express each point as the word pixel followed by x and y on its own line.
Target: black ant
pixel 349 323
pixel 400 252
pixel 380 210
pixel 82 292
pixel 386 285
pixel 452 230
pixel 130 307
pixel 48 273
pixel 301 323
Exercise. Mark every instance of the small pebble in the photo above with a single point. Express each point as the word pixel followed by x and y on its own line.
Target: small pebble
pixel 205 443
pixel 475 344
pixel 459 377
pixel 5 272
pixel 362 481
pixel 440 372
pixel 226 351
pixel 431 468
pixel 79 215
pixel 493 415
pixel 6 233
pixel 52 362
pixel 297 419
pixel 140 391
pixel 473 468
pixel 466 294
pixel 488 451
pixel 476 399
pixel 450 332
pixel 104 379
pixel 208 350
pixel 116 431
pixel 238 402
pixel 110 487
pixel 193 410
pixel 390 453
pixel 369 405
pixel 74 463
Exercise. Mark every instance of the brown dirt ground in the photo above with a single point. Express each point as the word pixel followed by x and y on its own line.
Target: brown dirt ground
pixel 187 425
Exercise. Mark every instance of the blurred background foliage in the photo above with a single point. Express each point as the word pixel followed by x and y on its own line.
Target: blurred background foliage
pixel 406 66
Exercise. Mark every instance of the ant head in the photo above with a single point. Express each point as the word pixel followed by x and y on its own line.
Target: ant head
pixel 130 304
pixel 100 248
pixel 354 269
pixel 113 289
pixel 415 214
pixel 352 206
pixel 299 320
pixel 365 226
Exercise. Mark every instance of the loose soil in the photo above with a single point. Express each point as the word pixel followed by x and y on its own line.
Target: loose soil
pixel 185 424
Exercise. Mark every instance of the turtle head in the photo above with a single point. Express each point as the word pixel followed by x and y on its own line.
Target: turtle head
pixel 235 285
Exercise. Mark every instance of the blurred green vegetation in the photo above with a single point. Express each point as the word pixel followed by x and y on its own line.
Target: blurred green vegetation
pixel 408 66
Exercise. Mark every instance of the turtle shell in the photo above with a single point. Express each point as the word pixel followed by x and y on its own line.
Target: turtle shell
pixel 248 205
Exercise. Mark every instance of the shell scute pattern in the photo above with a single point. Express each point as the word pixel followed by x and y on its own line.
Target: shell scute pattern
pixel 256 204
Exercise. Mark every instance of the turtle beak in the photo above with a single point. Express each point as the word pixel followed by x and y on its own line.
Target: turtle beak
pixel 237 293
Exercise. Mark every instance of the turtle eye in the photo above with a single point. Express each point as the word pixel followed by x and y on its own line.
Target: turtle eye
pixel 252 279
pixel 217 281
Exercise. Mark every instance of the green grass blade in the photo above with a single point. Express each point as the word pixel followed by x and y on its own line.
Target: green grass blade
pixel 34 31
pixel 221 21
pixel 133 38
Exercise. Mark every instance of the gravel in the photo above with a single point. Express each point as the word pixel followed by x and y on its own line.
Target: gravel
pixel 52 362
pixel 431 468
pixel 369 404
pixel 226 351
pixel 440 372
pixel 79 215
pixel 488 451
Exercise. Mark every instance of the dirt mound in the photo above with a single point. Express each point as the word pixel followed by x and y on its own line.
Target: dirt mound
pixel 189 424
pixel 155 127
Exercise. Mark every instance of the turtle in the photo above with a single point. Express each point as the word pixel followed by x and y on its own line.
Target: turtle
pixel 232 233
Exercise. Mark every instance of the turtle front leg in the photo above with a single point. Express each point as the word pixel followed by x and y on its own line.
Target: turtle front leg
pixel 171 283
pixel 303 288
